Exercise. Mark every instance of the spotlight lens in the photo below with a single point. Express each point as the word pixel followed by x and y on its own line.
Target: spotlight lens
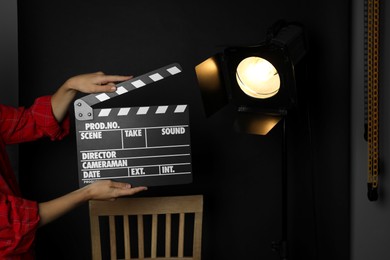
pixel 258 78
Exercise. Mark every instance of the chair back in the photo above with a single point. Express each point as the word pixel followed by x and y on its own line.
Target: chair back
pixel 138 228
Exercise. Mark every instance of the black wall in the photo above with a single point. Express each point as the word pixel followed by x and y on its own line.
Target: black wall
pixel 239 174
pixel 9 64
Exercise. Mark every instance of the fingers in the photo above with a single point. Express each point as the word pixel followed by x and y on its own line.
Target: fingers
pixel 110 190
pixel 96 82
pixel 115 78
pixel 102 79
pixel 124 189
pixel 120 185
pixel 130 191
pixel 103 88
pixel 106 83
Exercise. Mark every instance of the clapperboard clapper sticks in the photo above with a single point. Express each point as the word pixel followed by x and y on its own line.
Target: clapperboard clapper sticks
pixel 147 145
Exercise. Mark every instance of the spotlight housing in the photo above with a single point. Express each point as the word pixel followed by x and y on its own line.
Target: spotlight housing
pixel 258 79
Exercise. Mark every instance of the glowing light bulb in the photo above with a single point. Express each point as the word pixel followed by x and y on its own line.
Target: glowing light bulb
pixel 257 78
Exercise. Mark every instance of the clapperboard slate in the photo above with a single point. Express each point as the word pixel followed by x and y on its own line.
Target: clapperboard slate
pixel 147 145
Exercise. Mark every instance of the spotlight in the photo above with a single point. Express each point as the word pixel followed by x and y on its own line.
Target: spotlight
pixel 259 79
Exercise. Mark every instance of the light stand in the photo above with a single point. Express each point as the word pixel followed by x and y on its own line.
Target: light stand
pixel 260 80
pixel 282 246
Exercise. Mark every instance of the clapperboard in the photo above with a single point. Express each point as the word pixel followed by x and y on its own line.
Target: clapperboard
pixel 148 145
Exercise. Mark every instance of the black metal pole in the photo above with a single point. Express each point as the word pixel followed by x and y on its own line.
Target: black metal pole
pixel 284 248
pixel 281 247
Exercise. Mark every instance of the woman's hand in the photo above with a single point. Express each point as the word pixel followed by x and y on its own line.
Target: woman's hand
pixel 94 82
pixel 99 190
pixel 110 190
pixel 85 83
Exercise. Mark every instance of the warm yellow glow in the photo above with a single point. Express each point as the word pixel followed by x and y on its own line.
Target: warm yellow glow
pixel 208 75
pixel 258 124
pixel 257 77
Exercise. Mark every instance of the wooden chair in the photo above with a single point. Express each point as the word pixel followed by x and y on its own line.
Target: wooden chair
pixel 143 223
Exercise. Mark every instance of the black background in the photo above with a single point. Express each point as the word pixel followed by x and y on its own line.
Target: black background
pixel 239 174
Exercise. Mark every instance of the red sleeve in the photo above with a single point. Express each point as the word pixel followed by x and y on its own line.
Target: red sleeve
pixel 23 125
pixel 19 220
